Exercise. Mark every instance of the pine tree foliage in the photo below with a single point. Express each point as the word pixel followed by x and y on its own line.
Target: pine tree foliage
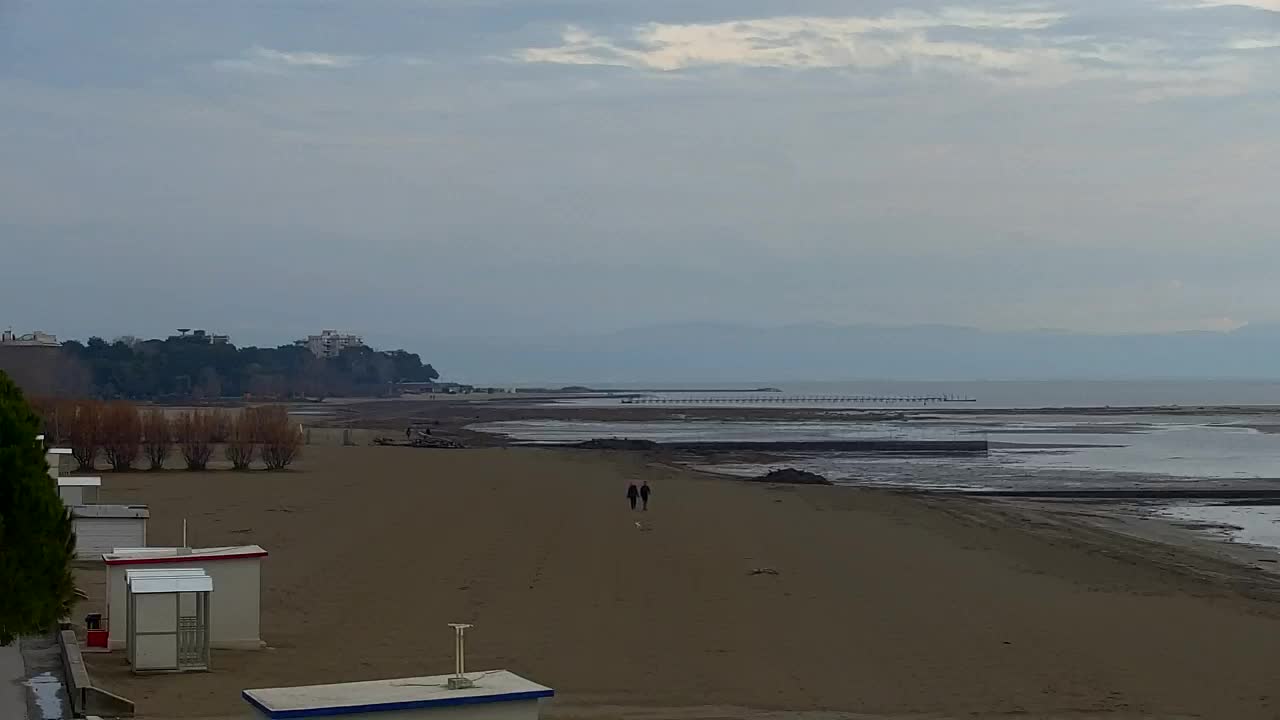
pixel 36 539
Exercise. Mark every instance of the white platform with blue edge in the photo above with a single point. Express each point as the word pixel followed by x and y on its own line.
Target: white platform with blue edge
pixel 497 695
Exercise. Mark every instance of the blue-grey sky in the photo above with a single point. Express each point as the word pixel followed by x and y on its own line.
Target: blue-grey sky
pixel 484 167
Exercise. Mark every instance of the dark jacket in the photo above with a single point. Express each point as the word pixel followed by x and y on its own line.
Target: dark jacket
pixel 633 492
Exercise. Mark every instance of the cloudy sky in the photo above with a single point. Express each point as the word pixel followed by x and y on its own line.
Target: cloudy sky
pixel 484 167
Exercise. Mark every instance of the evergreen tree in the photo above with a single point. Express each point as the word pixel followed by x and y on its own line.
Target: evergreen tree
pixel 36 541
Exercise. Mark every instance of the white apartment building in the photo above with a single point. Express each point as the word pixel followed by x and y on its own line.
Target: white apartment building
pixel 329 343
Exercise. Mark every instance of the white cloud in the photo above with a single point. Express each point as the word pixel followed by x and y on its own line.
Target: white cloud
pixel 805 42
pixel 1255 43
pixel 1018 47
pixel 1272 5
pixel 267 60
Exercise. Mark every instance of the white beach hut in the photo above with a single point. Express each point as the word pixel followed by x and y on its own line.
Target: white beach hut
pixel 54 456
pixel 100 528
pixel 168 620
pixel 235 609
pixel 78 490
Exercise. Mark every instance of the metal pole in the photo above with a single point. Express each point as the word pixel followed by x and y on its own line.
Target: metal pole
pixel 459 680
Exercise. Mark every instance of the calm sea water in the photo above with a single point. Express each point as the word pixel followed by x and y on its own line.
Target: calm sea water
pixel 1108 449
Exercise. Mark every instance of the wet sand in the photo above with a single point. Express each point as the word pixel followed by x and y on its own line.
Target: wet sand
pixel 884 605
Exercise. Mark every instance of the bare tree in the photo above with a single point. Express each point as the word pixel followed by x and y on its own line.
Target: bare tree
pixel 281 438
pixel 84 432
pixel 157 437
pixel 193 430
pixel 243 438
pixel 121 435
pixel 220 425
pixel 53 417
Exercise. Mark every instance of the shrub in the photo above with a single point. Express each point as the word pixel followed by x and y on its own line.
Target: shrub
pixel 53 417
pixel 281 438
pixel 157 437
pixel 243 438
pixel 84 432
pixel 121 435
pixel 194 431
pixel 219 426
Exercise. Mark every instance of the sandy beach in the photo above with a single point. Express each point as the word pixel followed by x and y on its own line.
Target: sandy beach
pixel 883 606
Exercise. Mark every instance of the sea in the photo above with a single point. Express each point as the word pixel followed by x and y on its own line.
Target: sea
pixel 1044 435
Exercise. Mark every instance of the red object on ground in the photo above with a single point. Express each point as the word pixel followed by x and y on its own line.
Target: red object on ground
pixel 96 638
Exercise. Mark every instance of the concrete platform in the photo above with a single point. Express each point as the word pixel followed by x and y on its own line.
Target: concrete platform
pixel 403 696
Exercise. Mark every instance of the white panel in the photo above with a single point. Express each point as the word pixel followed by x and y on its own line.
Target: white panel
pixel 156 652
pixel 156 613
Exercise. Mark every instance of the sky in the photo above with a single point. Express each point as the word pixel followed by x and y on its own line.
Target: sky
pixel 415 168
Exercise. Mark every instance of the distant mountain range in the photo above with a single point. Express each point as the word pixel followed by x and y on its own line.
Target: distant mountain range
pixel 710 352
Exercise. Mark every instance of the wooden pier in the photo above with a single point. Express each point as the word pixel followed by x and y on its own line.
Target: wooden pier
pixel 801 400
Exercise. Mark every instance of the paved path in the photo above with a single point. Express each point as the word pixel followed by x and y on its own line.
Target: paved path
pixel 13 694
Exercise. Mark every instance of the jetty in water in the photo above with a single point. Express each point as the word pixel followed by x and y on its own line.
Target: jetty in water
pixel 801 400
pixel 883 446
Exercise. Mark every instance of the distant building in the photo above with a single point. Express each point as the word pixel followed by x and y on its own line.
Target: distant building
pixel 438 388
pixel 35 339
pixel 330 343
pixel 202 337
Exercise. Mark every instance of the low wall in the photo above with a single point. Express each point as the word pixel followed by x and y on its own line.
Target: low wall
pixel 334 436
pixel 870 447
pixel 85 698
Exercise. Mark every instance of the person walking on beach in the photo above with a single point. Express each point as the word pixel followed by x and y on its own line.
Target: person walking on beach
pixel 632 494
pixel 644 494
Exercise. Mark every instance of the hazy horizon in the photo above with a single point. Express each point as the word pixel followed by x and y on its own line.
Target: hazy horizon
pixel 722 353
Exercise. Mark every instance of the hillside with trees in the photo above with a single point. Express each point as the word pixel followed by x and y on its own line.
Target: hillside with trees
pixel 186 368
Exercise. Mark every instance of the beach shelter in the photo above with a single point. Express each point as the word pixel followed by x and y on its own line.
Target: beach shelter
pixel 53 456
pixel 79 490
pixel 168 620
pixel 100 528
pixel 235 610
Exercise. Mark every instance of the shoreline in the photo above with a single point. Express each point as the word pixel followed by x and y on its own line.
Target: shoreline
pixel 458 418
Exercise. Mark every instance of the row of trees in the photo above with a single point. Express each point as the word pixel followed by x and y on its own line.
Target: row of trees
pixel 194 368
pixel 124 435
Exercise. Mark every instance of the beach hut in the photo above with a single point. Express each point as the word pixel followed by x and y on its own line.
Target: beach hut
pixel 100 528
pixel 235 609
pixel 493 695
pixel 79 490
pixel 168 620
pixel 53 456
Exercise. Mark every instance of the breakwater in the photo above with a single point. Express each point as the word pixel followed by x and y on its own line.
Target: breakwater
pixel 803 400
pixel 867 447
